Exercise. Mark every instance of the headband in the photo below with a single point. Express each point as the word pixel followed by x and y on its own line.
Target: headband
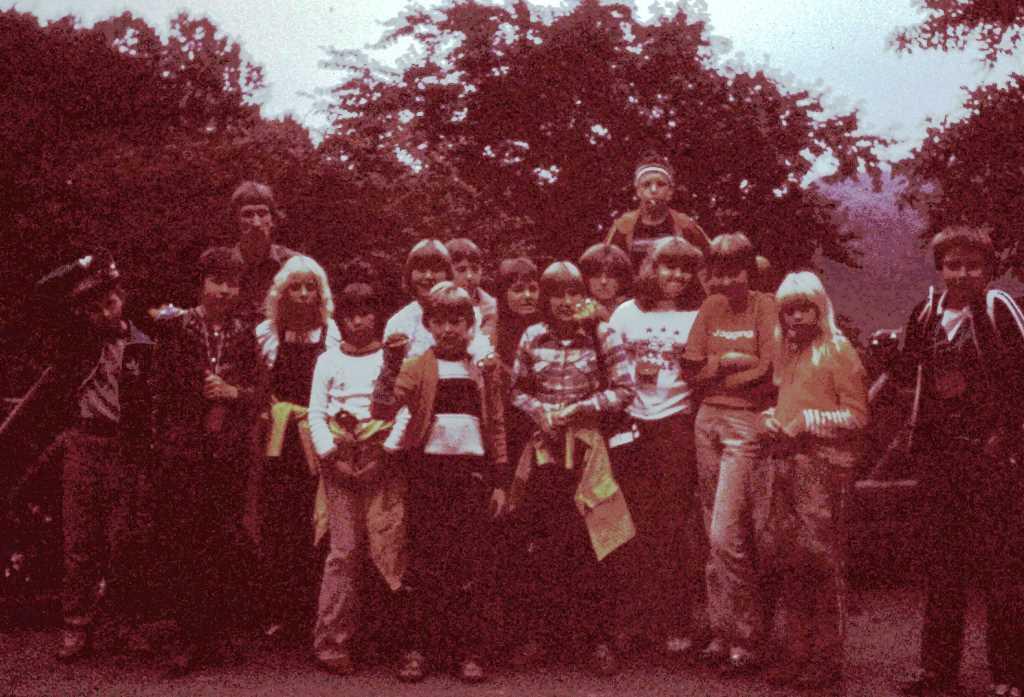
pixel 643 170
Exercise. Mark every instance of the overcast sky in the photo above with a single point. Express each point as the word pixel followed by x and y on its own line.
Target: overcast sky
pixel 840 43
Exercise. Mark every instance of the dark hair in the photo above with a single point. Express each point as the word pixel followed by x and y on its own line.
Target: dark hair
pixel 356 298
pixel 220 262
pixel 426 254
pixel 464 249
pixel 556 279
pixel 253 193
pixel 978 238
pixel 607 257
pixel 512 271
pixel 732 251
pixel 448 300
pixel 673 251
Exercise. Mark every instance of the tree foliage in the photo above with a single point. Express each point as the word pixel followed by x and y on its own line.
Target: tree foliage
pixel 970 170
pixel 953 24
pixel 520 127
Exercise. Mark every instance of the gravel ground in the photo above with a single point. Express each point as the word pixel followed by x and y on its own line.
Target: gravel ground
pixel 882 645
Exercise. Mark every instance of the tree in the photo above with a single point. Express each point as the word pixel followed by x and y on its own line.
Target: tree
pixel 970 170
pixel 517 126
pixel 953 24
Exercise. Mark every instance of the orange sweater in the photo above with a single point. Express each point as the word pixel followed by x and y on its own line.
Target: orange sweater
pixel 828 400
pixel 718 330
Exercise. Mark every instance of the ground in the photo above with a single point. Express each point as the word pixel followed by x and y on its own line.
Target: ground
pixel 882 644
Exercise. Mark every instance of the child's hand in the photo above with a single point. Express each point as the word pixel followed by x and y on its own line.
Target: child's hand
pixel 771 426
pixel 395 348
pixel 215 389
pixel 737 360
pixel 499 503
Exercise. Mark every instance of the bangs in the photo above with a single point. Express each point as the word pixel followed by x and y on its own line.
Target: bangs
pixel 429 254
pixel 606 258
pixel 732 252
pixel 560 277
pixel 358 298
pixel 447 301
pixel 677 252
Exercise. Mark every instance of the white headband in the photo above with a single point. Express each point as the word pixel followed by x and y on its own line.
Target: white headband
pixel 643 170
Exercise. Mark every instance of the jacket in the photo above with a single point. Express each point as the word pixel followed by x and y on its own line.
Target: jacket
pixel 415 386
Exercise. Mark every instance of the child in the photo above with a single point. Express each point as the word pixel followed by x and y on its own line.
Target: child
pixel 962 353
pixel 608 274
pixel 657 471
pixel 822 405
pixel 728 356
pixel 205 383
pixel 298 328
pixel 104 401
pixel 466 266
pixel 340 426
pixel 517 304
pixel 455 441
pixel 566 373
pixel 654 181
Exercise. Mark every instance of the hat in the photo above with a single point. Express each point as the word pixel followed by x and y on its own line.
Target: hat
pixel 82 279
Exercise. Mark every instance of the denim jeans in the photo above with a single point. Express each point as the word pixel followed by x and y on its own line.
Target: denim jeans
pixel 732 497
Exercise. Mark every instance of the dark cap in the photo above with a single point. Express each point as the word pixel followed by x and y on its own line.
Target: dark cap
pixel 81 280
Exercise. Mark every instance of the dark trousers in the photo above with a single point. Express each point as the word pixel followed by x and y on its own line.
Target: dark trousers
pixel 661 570
pixel 450 559
pixel 210 560
pixel 101 489
pixel 290 571
pixel 564 594
pixel 973 512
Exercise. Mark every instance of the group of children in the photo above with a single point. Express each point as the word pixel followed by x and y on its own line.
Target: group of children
pixel 611 459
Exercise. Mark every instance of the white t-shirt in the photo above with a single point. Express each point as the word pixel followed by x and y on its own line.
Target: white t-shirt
pixel 952 320
pixel 340 383
pixel 409 321
pixel 653 340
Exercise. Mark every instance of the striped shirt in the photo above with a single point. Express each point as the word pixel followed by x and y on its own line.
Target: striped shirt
pixel 550 373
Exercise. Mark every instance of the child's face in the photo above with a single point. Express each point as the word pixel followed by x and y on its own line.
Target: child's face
pixel 423 278
pixel 255 223
pixel 800 321
pixel 219 294
pixel 467 275
pixel 451 333
pixel 359 327
pixel 603 286
pixel 654 191
pixel 672 280
pixel 105 312
pixel 732 283
pixel 965 272
pixel 303 290
pixel 563 305
pixel 522 296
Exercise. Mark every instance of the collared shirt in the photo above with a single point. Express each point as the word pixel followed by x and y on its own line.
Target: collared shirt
pixel 99 395
pixel 550 373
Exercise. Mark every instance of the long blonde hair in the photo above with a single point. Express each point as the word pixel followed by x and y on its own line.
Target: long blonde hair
pixel 298 265
pixel 805 286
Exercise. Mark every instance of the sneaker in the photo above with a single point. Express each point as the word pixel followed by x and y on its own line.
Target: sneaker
pixel 715 653
pixel 74 644
pixel 412 667
pixel 603 661
pixel 741 661
pixel 926 682
pixel 680 648
pixel 470 671
pixel 340 664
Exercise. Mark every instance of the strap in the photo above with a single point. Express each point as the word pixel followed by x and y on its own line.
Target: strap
pixel 990 301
